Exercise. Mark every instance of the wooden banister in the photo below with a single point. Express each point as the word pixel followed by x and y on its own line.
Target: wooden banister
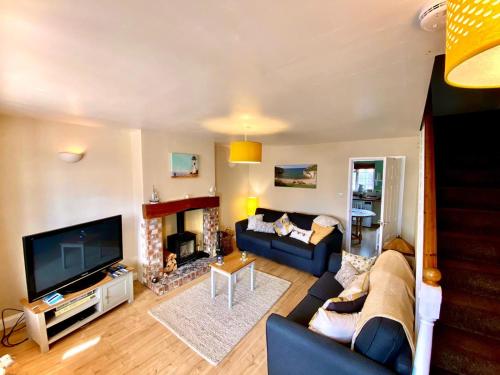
pixel 431 274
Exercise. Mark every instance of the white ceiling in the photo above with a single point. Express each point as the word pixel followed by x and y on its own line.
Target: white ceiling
pixel 322 70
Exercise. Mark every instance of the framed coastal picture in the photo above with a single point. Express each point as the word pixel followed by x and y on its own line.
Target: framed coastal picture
pixel 296 175
pixel 184 165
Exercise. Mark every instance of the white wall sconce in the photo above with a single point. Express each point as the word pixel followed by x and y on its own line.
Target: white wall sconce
pixel 70 157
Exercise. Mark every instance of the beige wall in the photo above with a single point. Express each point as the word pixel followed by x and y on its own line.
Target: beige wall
pixel 38 192
pixel 156 149
pixel 232 187
pixel 333 163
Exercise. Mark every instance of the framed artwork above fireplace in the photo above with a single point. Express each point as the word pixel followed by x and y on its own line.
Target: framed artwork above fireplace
pixel 184 165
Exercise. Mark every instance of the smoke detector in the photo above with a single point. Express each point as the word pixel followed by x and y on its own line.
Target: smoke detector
pixel 432 17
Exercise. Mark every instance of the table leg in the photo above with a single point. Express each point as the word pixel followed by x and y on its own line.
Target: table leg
pixel 212 282
pixel 252 276
pixel 230 291
pixel 360 220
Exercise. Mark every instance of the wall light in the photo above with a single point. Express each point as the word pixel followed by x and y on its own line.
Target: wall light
pixel 473 43
pixel 70 157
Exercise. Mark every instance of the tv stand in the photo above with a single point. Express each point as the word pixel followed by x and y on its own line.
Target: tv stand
pixel 84 283
pixel 47 324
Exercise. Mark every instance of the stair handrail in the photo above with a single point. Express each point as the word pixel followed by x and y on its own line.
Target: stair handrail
pixel 430 294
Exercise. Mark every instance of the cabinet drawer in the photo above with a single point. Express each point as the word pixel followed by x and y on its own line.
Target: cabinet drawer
pixel 115 293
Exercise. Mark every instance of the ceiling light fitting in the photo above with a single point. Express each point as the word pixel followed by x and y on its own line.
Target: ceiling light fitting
pixel 473 43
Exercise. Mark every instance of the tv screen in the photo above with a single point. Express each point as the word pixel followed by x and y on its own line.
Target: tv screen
pixel 57 258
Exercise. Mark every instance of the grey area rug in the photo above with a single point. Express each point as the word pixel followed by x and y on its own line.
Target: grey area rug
pixel 208 326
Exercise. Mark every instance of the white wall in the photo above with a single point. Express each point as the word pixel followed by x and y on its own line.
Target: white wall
pixel 38 192
pixel 333 167
pixel 232 187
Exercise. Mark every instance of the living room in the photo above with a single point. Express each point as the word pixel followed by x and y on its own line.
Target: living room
pixel 177 190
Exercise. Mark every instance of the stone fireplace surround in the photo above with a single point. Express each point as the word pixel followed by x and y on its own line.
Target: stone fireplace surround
pixel 152 242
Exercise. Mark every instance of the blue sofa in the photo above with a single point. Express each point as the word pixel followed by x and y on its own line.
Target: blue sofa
pixel 307 257
pixel 380 348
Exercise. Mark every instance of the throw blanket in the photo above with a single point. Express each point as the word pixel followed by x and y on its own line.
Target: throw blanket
pixel 391 294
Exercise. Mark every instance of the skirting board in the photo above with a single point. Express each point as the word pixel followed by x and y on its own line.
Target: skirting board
pixel 10 321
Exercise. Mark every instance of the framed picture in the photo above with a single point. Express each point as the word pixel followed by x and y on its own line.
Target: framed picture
pixel 296 175
pixel 184 165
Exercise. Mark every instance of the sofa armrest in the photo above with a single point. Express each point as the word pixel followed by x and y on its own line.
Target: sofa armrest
pixel 328 245
pixel 294 349
pixel 335 262
pixel 241 226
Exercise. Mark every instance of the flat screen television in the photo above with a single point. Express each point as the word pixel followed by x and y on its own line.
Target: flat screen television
pixel 64 258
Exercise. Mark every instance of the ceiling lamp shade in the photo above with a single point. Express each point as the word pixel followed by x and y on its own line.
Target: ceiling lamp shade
pixel 473 43
pixel 245 152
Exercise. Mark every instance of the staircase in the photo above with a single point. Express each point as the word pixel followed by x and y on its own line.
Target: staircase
pixel 467 160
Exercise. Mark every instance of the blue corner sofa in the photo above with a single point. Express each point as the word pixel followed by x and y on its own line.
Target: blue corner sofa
pixel 307 257
pixel 292 349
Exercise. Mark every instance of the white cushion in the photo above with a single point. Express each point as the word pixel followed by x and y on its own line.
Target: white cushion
pixel 301 234
pixel 253 219
pixel 326 221
pixel 262 226
pixel 346 275
pixel 340 327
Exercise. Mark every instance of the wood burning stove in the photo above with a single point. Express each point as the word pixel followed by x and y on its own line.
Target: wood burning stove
pixel 183 244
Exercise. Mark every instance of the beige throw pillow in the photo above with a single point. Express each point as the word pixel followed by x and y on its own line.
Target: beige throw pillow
pixel 340 327
pixel 361 263
pixel 319 232
pixel 359 286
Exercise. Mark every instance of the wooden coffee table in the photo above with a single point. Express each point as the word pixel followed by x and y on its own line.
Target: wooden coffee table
pixel 230 268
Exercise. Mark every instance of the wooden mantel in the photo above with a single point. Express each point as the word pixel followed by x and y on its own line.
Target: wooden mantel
pixel 154 210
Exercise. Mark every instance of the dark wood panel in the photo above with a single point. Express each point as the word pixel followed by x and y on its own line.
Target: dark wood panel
pixel 151 211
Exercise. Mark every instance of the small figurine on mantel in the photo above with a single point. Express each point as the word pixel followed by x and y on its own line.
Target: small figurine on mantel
pixel 155 198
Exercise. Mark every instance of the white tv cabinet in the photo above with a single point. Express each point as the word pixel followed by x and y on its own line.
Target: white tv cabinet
pixel 44 327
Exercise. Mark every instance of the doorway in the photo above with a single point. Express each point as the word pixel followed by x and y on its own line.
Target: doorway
pixel 374 203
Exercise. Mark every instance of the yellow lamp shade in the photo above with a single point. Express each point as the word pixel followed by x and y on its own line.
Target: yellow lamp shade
pixel 252 204
pixel 245 152
pixel 473 43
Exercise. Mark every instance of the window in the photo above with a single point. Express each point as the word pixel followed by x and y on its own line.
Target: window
pixel 364 178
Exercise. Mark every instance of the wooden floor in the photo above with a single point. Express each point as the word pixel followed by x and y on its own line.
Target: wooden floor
pixel 129 341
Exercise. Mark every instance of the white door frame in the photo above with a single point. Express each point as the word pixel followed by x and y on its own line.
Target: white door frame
pixel 349 192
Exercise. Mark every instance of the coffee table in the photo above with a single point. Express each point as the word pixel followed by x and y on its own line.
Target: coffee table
pixel 230 268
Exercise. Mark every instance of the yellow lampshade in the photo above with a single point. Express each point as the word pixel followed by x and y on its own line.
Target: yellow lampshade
pixel 252 204
pixel 473 43
pixel 245 152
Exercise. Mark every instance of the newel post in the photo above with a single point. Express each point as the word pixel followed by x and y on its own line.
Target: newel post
pixel 430 306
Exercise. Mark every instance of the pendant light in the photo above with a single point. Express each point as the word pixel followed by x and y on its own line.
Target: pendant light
pixel 473 43
pixel 245 152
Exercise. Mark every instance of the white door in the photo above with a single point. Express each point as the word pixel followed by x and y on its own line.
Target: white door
pixel 392 199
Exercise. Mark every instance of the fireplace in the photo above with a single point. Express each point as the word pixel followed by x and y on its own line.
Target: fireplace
pixel 182 243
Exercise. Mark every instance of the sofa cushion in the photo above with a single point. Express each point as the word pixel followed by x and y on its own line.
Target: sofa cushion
pixel 249 240
pixel 270 216
pixel 302 221
pixel 294 247
pixel 305 310
pixel 326 287
pixel 382 340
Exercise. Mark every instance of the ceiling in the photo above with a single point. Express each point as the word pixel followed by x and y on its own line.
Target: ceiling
pixel 289 71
